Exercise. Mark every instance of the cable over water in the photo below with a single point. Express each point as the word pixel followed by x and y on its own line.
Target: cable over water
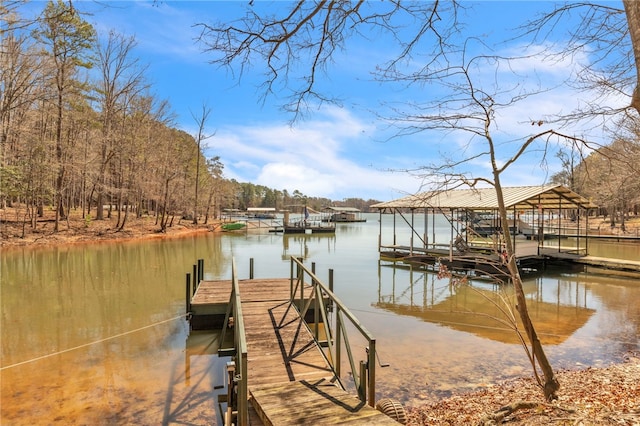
pixel 91 343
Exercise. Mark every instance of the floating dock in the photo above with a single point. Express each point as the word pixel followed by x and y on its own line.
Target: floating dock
pixel 529 257
pixel 286 369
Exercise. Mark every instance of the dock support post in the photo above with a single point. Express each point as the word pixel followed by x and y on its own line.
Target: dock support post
pixel 251 268
pixel 228 418
pixel 188 294
pixel 200 269
pixel 195 278
pixel 362 389
pixel 331 280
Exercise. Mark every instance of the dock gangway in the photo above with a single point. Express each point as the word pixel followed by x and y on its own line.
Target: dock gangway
pixel 290 339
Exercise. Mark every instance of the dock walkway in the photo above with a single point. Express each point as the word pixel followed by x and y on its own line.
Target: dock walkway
pixel 622 265
pixel 290 380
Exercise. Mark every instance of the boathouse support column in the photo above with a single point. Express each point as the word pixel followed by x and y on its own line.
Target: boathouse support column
pixel 586 234
pixel 578 233
pixel 453 212
pixel 559 222
pixel 425 234
pixel 394 227
pixel 412 231
pixel 433 228
pixel 515 230
pixel 379 230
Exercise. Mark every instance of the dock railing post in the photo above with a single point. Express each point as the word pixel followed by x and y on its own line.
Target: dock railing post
pixel 338 342
pixel 371 361
pixel 363 373
pixel 316 303
pixel 200 270
pixel 330 304
pixel 251 268
pixel 291 295
pixel 300 275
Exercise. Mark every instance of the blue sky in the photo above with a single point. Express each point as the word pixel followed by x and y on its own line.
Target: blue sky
pixel 336 151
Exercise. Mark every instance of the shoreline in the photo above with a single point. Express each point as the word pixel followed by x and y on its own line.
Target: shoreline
pixel 589 396
pixel 76 231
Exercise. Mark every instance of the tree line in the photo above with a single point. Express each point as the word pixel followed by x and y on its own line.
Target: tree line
pixel 81 129
pixel 608 174
pixel 252 195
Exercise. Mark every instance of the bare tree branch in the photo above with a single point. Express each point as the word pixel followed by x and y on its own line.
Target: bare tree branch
pixel 312 32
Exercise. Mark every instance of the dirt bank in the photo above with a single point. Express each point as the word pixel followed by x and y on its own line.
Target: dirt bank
pixel 76 230
pixel 603 396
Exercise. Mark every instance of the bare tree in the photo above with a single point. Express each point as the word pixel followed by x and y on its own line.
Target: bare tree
pixel 215 185
pixel 310 33
pixel 632 11
pixel 610 174
pixel 122 78
pixel 611 36
pixel 68 38
pixel 470 106
pixel 19 75
pixel 201 121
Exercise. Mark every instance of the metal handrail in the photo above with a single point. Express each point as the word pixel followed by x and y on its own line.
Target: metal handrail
pixel 364 374
pixel 238 379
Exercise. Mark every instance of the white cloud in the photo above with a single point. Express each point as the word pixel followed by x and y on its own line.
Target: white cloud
pixel 309 158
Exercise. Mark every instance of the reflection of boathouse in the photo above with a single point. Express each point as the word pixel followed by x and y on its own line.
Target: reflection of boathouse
pixel 480 309
pixel 543 220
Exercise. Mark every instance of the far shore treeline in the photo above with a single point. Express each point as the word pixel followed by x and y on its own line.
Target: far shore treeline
pixel 82 130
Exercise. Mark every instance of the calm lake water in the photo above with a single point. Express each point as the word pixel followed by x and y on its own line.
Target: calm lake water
pixel 97 335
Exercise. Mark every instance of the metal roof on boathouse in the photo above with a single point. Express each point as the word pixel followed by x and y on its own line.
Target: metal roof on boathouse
pixel 518 197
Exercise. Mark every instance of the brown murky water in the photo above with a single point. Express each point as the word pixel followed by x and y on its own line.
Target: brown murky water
pixel 96 335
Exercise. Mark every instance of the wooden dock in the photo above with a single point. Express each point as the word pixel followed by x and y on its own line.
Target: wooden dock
pixel 620 265
pixel 529 256
pixel 290 380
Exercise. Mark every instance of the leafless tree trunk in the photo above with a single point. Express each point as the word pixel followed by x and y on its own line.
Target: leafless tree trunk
pixel 632 10
pixel 122 78
pixel 68 37
pixel 320 28
pixel 201 121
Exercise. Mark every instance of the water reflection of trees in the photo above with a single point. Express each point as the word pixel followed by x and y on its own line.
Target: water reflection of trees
pixel 619 295
pixel 558 309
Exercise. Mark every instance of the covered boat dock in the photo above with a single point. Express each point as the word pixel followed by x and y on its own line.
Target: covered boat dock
pixel 461 228
pixel 343 214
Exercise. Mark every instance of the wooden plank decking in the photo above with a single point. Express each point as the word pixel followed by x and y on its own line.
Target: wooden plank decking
pixel 623 265
pixel 290 381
